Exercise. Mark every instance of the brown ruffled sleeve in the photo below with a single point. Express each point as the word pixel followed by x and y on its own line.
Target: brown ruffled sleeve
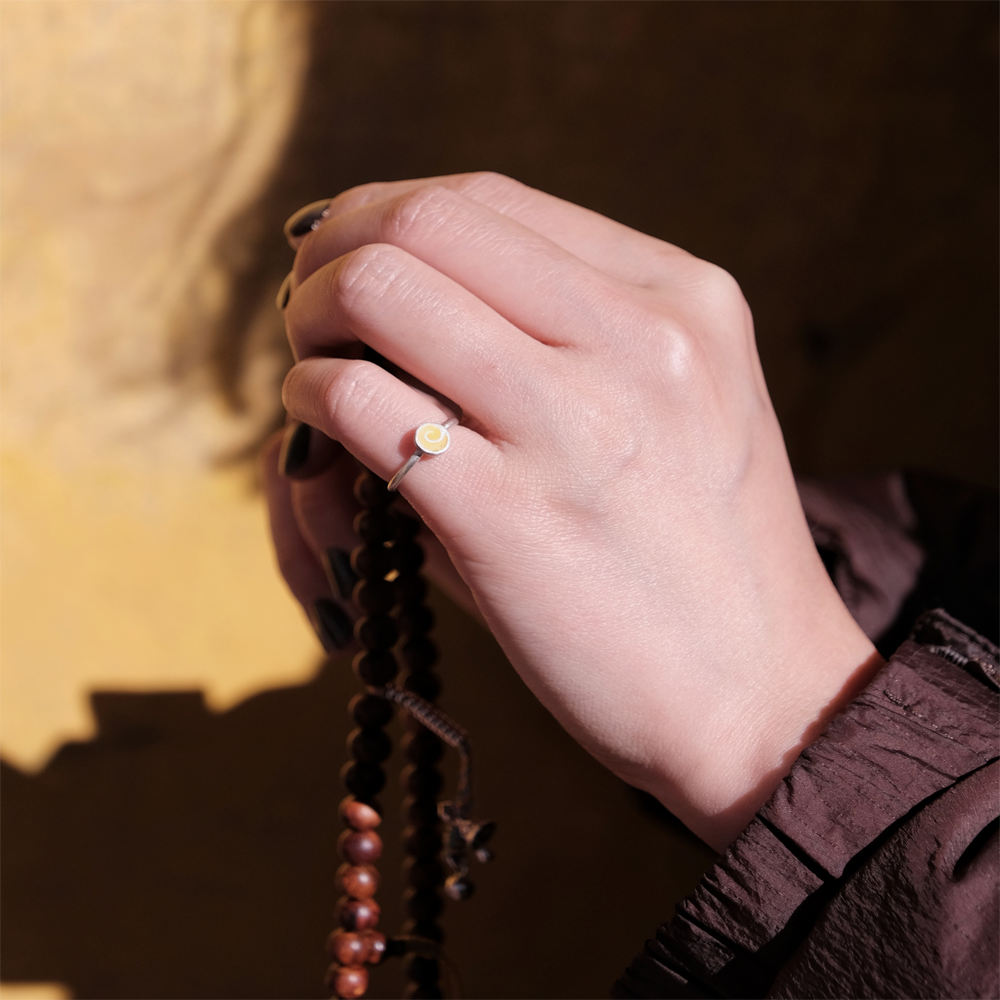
pixel 873 869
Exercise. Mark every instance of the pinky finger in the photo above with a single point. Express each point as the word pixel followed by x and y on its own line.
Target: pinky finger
pixel 296 560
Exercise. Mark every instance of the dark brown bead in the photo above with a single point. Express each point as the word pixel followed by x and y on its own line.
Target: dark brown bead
pixel 375 597
pixel 415 619
pixel 346 947
pixel 406 526
pixel 362 780
pixel 411 589
pixel 423 873
pixel 375 526
pixel 359 815
pixel 425 929
pixel 422 904
pixel 422 780
pixel 370 710
pixel 424 683
pixel 423 970
pixel 417 992
pixel 369 745
pixel 375 941
pixel 407 557
pixel 372 562
pixel 422 841
pixel 359 881
pixel 357 914
pixel 347 981
pixel 360 847
pixel 420 811
pixel 420 653
pixel 377 667
pixel 377 631
pixel 422 747
pixel 371 492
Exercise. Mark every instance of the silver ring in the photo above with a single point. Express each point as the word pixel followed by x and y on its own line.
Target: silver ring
pixel 430 439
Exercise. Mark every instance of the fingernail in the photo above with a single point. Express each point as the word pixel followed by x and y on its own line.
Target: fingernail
pixel 284 293
pixel 340 572
pixel 304 221
pixel 332 625
pixel 294 448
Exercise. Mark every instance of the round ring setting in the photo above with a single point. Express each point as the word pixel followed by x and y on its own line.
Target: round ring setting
pixel 429 439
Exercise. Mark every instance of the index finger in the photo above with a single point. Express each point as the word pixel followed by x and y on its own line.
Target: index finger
pixel 608 246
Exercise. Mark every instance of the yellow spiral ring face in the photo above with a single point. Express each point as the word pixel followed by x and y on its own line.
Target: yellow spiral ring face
pixel 432 438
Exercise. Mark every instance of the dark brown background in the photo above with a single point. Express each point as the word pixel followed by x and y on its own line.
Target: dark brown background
pixel 841 161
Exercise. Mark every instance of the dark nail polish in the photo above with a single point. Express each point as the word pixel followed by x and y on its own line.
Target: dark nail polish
pixel 284 293
pixel 340 573
pixel 304 221
pixel 294 448
pixel 332 624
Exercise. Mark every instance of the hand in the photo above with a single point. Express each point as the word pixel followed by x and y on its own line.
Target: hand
pixel 617 498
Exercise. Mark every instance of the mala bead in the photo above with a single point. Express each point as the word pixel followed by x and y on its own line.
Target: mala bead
pixel 407 557
pixel 416 619
pixel 419 653
pixel 376 944
pixel 376 668
pixel 423 970
pixel 422 747
pixel 360 847
pixel 366 947
pixel 358 881
pixel 422 780
pixel 410 589
pixel 422 904
pixel 358 815
pixel 374 525
pixel 423 873
pixel 422 841
pixel 406 527
pixel 357 914
pixel 420 812
pixel 361 779
pixel 370 710
pixel 373 562
pixel 425 929
pixel 375 597
pixel 423 683
pixel 369 745
pixel 377 632
pixel 347 947
pixel 371 492
pixel 347 981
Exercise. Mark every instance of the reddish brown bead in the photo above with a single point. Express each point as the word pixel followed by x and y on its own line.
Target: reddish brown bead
pixel 357 815
pixel 376 944
pixel 347 981
pixel 369 745
pixel 359 881
pixel 346 947
pixel 422 780
pixel 360 847
pixel 357 914
pixel 423 747
pixel 370 710
pixel 361 779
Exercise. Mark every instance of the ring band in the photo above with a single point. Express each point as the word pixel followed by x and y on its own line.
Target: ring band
pixel 430 439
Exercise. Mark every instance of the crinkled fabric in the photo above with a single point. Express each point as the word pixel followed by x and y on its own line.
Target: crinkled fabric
pixel 873 869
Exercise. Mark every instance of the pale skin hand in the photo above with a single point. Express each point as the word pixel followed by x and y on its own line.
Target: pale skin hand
pixel 617 500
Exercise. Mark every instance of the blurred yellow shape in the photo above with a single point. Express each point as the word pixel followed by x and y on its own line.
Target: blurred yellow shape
pixel 131 134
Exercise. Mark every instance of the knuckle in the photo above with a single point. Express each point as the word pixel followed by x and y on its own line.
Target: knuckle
pixel 417 215
pixel 363 276
pixel 720 288
pixel 488 183
pixel 349 392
